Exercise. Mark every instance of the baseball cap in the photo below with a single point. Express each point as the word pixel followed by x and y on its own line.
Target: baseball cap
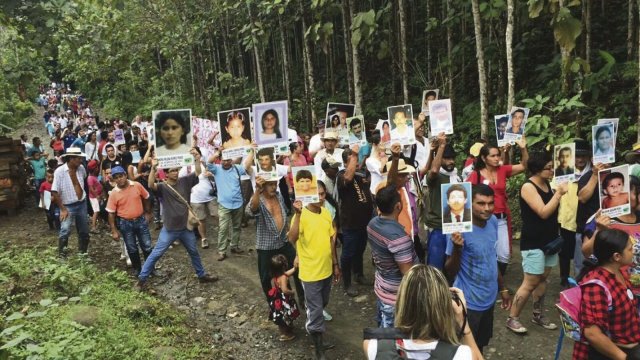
pixel 117 170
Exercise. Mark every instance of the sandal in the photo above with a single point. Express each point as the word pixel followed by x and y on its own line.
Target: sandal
pixel 285 337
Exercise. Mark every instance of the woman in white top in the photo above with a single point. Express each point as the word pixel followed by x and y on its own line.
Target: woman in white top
pixel 376 161
pixel 91 147
pixel 427 315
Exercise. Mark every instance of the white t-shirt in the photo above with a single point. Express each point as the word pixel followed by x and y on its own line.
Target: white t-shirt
pixel 322 154
pixel 463 353
pixel 375 169
pixel 315 144
pixel 200 192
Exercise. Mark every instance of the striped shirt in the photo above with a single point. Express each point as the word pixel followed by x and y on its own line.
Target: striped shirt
pixel 268 237
pixel 63 185
pixel 390 245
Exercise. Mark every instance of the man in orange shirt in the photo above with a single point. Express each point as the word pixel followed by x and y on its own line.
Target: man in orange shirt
pixel 128 203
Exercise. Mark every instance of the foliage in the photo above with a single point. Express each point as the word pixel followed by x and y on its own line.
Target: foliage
pixel 56 309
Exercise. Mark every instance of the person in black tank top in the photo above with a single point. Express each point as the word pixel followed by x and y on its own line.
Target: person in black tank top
pixel 539 211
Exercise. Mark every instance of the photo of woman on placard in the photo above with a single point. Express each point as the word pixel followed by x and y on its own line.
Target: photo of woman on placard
pixel 603 141
pixel 172 132
pixel 235 130
pixel 270 125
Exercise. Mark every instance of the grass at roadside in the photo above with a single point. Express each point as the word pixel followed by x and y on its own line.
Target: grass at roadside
pixel 53 309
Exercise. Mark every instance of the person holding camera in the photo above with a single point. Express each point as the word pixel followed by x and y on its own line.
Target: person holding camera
pixel 430 321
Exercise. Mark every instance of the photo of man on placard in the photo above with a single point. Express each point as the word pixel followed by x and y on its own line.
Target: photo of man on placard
pixel 457 209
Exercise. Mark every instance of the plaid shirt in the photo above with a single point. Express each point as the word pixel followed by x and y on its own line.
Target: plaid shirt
pixel 622 323
pixel 268 236
pixel 63 185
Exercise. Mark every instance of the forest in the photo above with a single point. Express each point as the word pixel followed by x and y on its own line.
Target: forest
pixel 570 61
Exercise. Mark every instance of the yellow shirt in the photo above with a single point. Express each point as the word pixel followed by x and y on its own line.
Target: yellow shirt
pixel 569 208
pixel 314 245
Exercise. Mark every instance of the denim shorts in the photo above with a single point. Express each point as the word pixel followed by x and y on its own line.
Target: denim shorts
pixel 535 261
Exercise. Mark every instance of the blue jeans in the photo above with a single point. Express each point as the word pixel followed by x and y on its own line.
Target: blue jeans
pixel 132 230
pixel 436 247
pixel 385 314
pixel 78 212
pixel 354 241
pixel 166 238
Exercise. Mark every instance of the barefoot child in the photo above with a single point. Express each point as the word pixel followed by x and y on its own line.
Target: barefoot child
pixel 613 188
pixel 283 306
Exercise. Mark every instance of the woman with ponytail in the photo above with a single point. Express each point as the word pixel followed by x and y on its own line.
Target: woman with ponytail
pixel 489 171
pixel 612 329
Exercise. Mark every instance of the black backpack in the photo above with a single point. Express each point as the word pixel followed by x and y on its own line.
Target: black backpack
pixel 390 345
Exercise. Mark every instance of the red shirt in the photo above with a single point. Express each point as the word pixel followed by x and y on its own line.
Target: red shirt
pixel 499 188
pixel 622 323
pixel 45 186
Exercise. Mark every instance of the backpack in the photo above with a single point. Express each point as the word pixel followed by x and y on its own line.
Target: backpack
pixel 391 345
pixel 569 309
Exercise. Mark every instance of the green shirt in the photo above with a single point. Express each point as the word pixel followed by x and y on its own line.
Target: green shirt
pixel 434 215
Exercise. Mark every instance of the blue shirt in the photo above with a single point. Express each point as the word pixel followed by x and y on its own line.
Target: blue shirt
pixel 228 183
pixel 79 142
pixel 478 274
pixel 364 151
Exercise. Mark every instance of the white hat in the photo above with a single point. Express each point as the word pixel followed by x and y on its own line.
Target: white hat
pixel 74 151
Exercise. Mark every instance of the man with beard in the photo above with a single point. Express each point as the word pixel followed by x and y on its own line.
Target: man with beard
pixel 442 171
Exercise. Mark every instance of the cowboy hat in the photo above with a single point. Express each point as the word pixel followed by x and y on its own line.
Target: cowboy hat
pixel 74 151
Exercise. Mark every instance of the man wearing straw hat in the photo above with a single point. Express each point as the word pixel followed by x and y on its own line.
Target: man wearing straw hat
pixel 69 194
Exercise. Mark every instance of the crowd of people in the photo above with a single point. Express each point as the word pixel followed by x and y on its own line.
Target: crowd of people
pixel 437 292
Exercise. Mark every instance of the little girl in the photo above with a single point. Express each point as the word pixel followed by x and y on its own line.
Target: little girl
pixel 235 129
pixel 613 188
pixel 281 302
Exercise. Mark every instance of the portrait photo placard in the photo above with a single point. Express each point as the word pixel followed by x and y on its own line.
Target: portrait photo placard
pixel 235 131
pixel 265 159
pixel 204 130
pixel 172 137
pixel 385 131
pixel 357 133
pixel 427 97
pixel 613 121
pixel 613 185
pixel 604 146
pixel 270 122
pixel 305 184
pixel 456 208
pixel 517 121
pixel 501 122
pixel 440 117
pixel 564 163
pixel 401 122
pixel 118 135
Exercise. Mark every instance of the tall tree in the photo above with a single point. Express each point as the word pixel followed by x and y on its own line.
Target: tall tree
pixel 449 12
pixel 306 53
pixel 346 28
pixel 355 42
pixel 403 51
pixel 638 88
pixel 630 29
pixel 285 60
pixel 511 87
pixel 482 73
pixel 256 52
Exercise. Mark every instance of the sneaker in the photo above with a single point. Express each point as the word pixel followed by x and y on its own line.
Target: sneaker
pixel 515 325
pixel 222 256
pixel 208 278
pixel 351 291
pixel 542 320
pixel 326 315
pixel 236 250
pixel 205 243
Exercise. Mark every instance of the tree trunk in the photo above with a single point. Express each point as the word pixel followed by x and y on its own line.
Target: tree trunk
pixel 227 51
pixel 511 88
pixel 346 22
pixel 285 60
pixel 306 52
pixel 403 52
pixel 630 31
pixel 256 54
pixel 482 74
pixel 450 56
pixel 357 87
pixel 587 28
pixel 428 45
pixel 638 125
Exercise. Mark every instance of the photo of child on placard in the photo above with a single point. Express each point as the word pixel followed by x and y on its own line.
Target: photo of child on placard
pixel 305 184
pixel 614 191
pixel 564 159
pixel 270 122
pixel 456 207
pixel 428 96
pixel 172 134
pixel 356 130
pixel 440 117
pixel 235 130
pixel 401 121
pixel 385 131
pixel 265 160
pixel 501 127
pixel 517 122
pixel 603 143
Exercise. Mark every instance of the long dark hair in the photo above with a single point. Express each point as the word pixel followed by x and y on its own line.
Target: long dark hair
pixel 606 243
pixel 275 115
pixel 328 198
pixel 479 164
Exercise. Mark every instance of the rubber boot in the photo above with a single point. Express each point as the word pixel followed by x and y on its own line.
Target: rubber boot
pixel 319 345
